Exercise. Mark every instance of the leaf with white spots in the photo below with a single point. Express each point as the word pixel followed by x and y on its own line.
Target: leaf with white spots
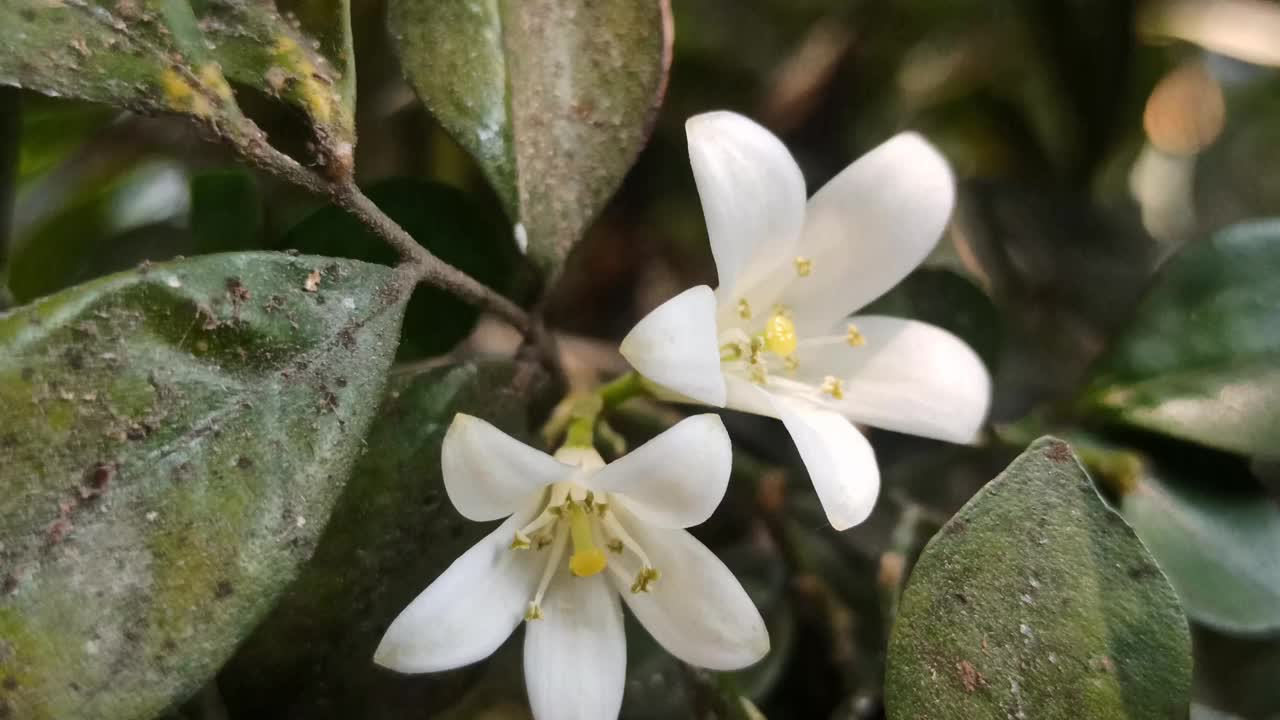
pixel 174 438
pixel 1038 601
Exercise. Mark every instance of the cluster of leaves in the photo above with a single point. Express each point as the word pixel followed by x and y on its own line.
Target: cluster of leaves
pixel 221 474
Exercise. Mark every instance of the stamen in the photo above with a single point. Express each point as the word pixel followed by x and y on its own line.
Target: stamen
pixel 614 546
pixel 620 534
pixel 548 516
pixel 644 578
pixel 548 571
pixel 780 334
pixel 855 337
pixel 833 386
pixel 744 309
pixel 804 266
pixel 730 352
pixel 587 559
pixel 792 364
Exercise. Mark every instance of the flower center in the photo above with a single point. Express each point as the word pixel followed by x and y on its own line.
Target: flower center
pixel 576 516
pixel 774 346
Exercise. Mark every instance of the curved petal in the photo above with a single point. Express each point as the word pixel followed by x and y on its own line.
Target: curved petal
pixel 868 227
pixel 745 396
pixel 676 479
pixel 908 376
pixel 575 657
pixel 753 197
pixel 488 473
pixel 697 610
pixel 838 457
pixel 468 611
pixel 677 346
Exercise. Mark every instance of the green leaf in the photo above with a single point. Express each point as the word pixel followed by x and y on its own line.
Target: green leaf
pixel 1237 674
pixel 1218 548
pixel 93 233
pixel 1036 600
pixel 259 48
pixel 147 55
pixel 553 98
pixel 174 440
pixel 52 128
pixel 226 210
pixel 392 533
pixel 177 56
pixel 445 221
pixel 950 301
pixel 1201 359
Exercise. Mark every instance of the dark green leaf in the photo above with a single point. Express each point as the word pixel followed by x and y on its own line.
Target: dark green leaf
pixel 393 532
pixel 173 441
pixel 554 98
pixel 1218 548
pixel 52 128
pixel 226 210
pixel 448 223
pixel 1201 359
pixel 108 224
pixel 1238 675
pixel 1036 600
pixel 950 301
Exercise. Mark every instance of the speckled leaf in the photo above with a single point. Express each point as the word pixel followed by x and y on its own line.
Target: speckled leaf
pixel 554 98
pixel 1038 601
pixel 148 55
pixel 259 48
pixel 1201 360
pixel 391 534
pixel 1218 548
pixel 174 439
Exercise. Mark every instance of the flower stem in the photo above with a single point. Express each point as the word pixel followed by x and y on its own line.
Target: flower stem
pixel 586 410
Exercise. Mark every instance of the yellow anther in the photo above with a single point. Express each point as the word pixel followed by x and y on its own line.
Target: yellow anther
pixel 587 559
pixel 520 541
pixel 833 386
pixel 644 578
pixel 855 337
pixel 780 335
pixel 804 266
pixel 744 309
pixel 533 613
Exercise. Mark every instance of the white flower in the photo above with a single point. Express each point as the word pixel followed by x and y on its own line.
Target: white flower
pixel 581 533
pixel 776 337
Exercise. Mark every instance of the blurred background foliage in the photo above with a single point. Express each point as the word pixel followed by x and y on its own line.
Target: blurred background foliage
pixel 1094 142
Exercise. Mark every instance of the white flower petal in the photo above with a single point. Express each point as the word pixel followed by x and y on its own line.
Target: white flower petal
pixel 869 227
pixel 909 376
pixel 488 473
pixel 696 609
pixel 677 346
pixel 676 479
pixel 575 657
pixel 839 459
pixel 753 197
pixel 468 611
pixel 745 396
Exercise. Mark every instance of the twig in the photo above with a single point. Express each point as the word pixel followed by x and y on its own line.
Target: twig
pixel 342 190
